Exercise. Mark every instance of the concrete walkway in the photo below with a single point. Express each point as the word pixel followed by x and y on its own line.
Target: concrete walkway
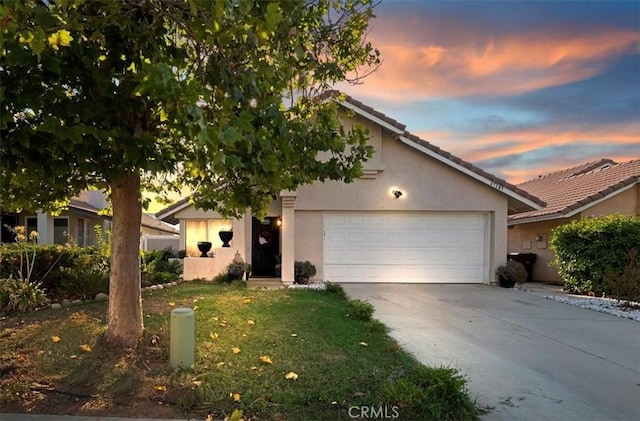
pixel 527 358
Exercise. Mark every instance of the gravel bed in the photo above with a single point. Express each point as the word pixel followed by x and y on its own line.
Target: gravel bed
pixel 603 305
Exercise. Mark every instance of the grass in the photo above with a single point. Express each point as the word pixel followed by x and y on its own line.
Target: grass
pixel 341 361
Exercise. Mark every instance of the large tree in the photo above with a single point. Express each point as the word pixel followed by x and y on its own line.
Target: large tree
pixel 132 95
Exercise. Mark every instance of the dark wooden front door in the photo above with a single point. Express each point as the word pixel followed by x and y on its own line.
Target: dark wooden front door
pixel 265 240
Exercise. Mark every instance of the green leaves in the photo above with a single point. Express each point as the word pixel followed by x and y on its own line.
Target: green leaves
pixel 192 88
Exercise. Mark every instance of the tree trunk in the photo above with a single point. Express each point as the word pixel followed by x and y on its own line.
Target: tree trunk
pixel 125 323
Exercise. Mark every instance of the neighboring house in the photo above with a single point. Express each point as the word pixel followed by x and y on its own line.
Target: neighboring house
pixel 77 223
pixel 593 189
pixel 417 214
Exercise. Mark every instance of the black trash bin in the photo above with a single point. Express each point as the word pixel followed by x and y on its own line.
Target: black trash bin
pixel 527 259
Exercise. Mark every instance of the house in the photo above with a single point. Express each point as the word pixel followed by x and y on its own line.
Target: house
pixel 77 223
pixel 596 188
pixel 417 214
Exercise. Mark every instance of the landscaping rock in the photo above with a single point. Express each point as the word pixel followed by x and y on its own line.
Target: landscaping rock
pixel 159 287
pixel 153 287
pixel 173 284
pixel 76 302
pixel 102 297
pixel 66 303
pixel 56 305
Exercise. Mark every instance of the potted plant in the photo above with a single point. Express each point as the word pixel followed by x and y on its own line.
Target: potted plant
pixel 237 268
pixel 303 271
pixel 511 273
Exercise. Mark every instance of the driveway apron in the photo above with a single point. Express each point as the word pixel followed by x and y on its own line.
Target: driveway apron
pixel 526 357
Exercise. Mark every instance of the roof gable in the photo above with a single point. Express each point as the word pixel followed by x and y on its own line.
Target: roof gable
pixel 519 199
pixel 570 191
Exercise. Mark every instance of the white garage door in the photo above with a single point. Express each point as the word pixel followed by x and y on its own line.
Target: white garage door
pixel 405 247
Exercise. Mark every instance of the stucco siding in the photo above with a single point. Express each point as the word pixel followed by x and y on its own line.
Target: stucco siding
pixel 523 238
pixel 625 203
pixel 425 183
pixel 308 239
pixel 191 212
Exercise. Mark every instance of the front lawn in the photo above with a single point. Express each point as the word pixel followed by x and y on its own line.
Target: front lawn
pixel 274 355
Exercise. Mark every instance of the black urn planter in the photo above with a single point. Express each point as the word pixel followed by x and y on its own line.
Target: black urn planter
pixel 204 247
pixel 506 282
pixel 225 236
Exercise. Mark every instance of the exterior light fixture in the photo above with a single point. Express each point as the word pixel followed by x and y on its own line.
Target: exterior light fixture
pixel 279 222
pixel 397 193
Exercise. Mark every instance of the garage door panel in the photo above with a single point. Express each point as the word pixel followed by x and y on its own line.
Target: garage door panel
pixel 404 247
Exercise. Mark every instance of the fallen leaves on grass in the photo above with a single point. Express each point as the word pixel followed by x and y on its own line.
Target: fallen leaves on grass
pixel 85 348
pixel 160 388
pixel 235 350
pixel 247 301
pixel 196 383
pixel 291 376
pixel 213 335
pixel 236 397
pixel 294 335
pixel 171 304
pixel 55 339
pixel 251 322
pixel 266 359
pixel 363 344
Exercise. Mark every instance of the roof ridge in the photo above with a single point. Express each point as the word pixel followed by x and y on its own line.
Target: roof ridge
pixel 426 144
pixel 590 166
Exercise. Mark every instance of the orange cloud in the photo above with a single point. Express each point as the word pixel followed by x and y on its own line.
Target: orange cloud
pixel 512 64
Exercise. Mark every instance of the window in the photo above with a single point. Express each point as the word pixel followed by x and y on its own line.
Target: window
pixel 82 230
pixel 60 230
pixel 31 225
pixel 204 230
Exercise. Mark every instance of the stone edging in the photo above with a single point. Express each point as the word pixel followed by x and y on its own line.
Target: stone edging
pixel 105 297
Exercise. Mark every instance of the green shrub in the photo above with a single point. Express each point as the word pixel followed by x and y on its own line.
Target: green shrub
pixel 222 278
pixel 511 273
pixel 60 269
pixel 586 250
pixel 360 310
pixel 303 271
pixel 626 286
pixel 164 277
pixel 431 394
pixel 21 295
pixel 337 289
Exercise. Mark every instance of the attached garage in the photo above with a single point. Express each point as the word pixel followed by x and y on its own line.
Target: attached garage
pixel 407 247
pixel 417 214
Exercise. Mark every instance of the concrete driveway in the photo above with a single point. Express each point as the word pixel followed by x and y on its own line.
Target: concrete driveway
pixel 526 357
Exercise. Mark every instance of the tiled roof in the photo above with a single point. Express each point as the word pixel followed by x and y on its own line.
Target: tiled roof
pixel 496 181
pixel 570 190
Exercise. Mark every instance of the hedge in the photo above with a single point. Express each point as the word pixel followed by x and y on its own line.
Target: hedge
pixel 65 271
pixel 589 249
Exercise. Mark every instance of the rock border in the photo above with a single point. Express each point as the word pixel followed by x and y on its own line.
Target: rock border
pixel 105 297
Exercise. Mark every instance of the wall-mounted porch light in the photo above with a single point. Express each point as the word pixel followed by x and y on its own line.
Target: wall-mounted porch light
pixel 397 193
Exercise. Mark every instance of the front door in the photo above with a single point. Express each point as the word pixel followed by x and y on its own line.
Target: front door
pixel 265 240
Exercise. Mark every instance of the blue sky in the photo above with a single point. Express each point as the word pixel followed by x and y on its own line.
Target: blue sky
pixel 519 88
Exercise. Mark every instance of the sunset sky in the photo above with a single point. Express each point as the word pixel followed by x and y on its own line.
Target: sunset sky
pixel 518 88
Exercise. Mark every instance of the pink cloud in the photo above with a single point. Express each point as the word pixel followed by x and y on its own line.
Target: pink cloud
pixel 489 65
